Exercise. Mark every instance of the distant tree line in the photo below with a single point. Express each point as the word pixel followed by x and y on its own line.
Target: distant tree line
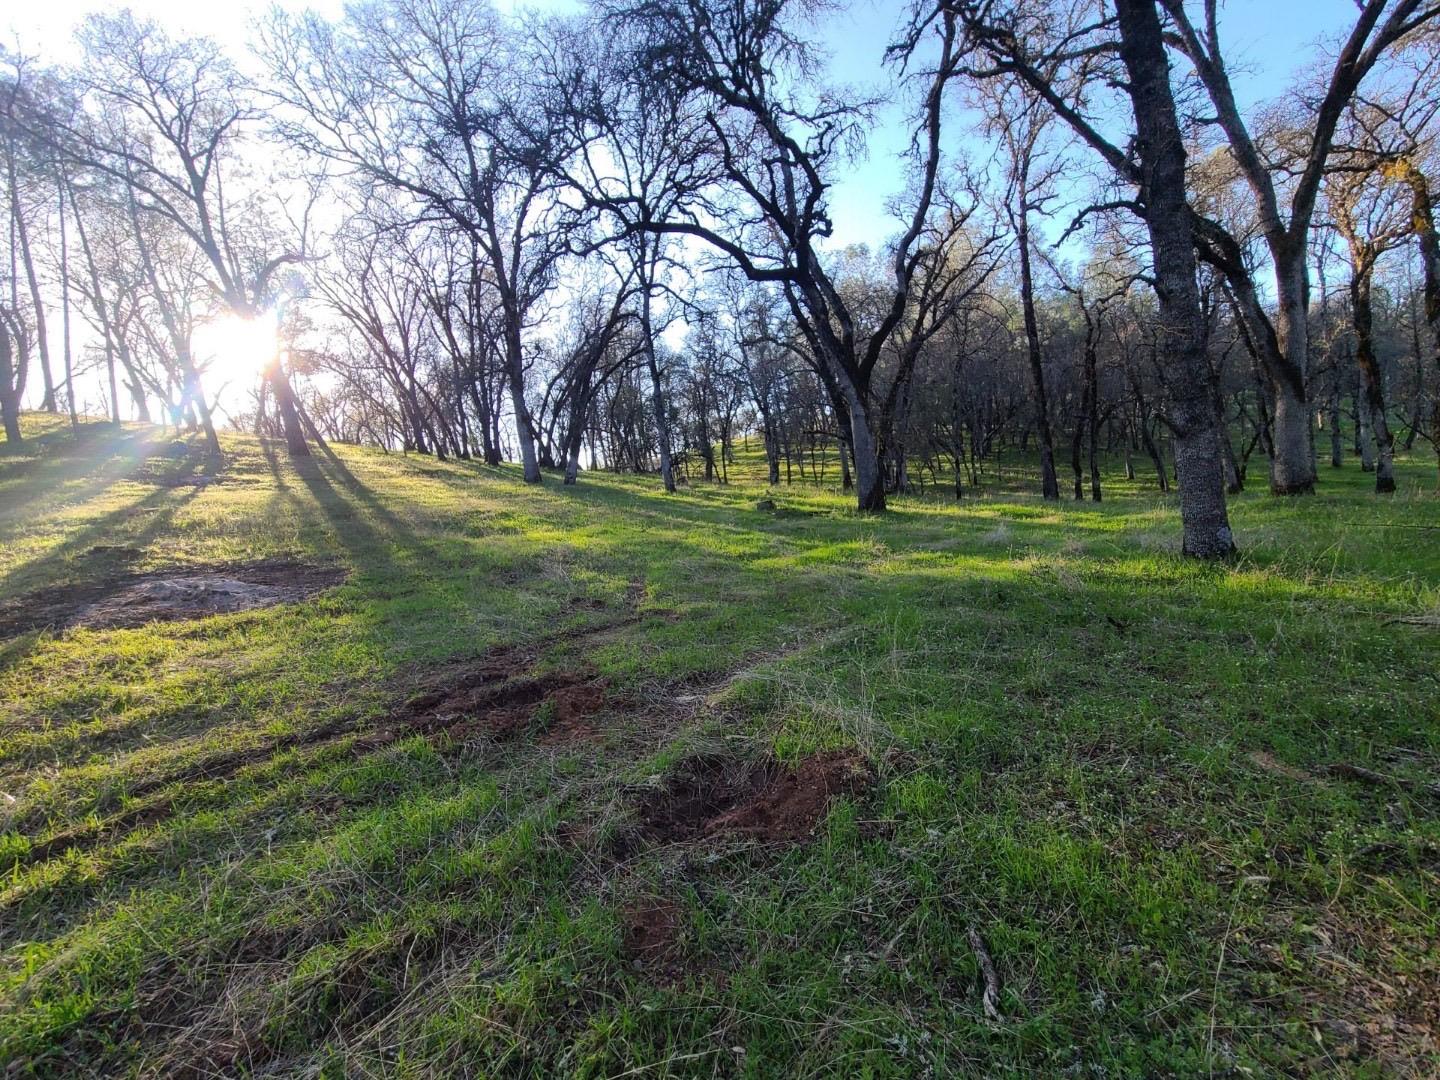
pixel 605 241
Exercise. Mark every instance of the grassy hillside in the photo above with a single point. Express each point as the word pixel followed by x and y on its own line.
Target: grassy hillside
pixel 597 782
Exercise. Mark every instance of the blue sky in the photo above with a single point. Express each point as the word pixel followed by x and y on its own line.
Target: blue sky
pixel 1267 42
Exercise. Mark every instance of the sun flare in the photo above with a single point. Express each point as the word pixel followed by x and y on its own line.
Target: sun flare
pixel 235 348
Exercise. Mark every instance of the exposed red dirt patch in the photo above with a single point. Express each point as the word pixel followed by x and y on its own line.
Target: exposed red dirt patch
pixel 773 803
pixel 496 697
pixel 650 938
pixel 571 708
pixel 793 802
pixel 130 600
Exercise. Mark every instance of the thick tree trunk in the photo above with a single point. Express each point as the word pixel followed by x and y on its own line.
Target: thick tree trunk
pixel 1205 522
pixel 284 394
pixel 574 440
pixel 869 477
pixel 1292 458
pixel 1292 466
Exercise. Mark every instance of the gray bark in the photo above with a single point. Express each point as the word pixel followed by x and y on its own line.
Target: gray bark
pixel 1191 412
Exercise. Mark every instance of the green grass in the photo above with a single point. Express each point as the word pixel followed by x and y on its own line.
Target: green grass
pixel 1110 763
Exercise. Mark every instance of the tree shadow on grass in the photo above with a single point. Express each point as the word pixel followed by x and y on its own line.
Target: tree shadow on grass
pixel 44 467
pixel 54 565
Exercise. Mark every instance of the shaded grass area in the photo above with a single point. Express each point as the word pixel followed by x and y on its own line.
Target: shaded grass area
pixel 230 846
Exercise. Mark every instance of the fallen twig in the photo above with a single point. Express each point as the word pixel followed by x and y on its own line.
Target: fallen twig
pixel 991 997
pixel 1414 620
pixel 1389 525
pixel 1347 771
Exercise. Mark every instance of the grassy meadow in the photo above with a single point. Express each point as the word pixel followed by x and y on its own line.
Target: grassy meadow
pixel 1188 814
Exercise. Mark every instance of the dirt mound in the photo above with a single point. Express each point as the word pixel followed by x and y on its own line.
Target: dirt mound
pixel 129 600
pixel 776 804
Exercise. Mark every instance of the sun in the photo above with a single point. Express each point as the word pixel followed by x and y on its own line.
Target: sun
pixel 234 348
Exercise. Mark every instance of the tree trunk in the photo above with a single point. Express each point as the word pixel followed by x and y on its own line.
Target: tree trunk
pixel 652 364
pixel 1373 379
pixel 284 395
pixel 22 235
pixel 524 430
pixel 869 479
pixel 1337 448
pixel 1364 443
pixel 1292 467
pixel 1093 435
pixel 574 440
pixel 102 312
pixel 772 448
pixel 195 395
pixel 1077 441
pixel 9 399
pixel 1049 485
pixel 1204 519
pixel 1423 225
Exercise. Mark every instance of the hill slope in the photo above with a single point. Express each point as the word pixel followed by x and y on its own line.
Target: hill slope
pixel 405 768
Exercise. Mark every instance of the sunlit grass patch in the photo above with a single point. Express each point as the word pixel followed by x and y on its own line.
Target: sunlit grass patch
pixel 1115 766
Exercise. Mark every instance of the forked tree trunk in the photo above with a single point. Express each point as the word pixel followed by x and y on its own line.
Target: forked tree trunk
pixel 574 440
pixel 195 396
pixel 772 448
